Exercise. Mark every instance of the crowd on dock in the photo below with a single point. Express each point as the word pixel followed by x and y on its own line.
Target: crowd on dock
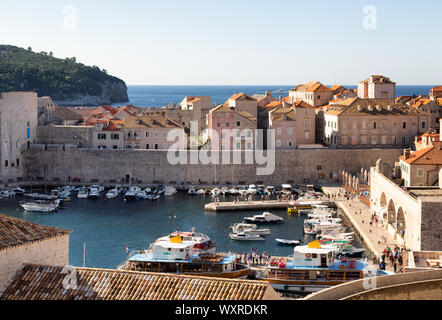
pixel 254 257
pixel 394 257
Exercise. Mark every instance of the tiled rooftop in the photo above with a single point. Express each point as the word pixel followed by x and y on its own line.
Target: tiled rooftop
pixel 16 232
pixel 35 282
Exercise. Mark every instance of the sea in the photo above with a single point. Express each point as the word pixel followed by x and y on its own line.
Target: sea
pixel 157 96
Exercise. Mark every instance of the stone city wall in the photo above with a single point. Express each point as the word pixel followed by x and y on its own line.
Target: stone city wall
pixel 152 166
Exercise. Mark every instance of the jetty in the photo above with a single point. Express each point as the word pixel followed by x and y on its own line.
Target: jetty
pixel 256 205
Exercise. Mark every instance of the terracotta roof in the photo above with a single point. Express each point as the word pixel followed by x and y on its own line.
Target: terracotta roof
pixel 280 114
pixel 403 99
pixel 35 282
pixel 302 104
pixel 273 104
pixel 378 79
pixel 17 232
pixel 226 108
pixel 312 86
pixel 364 107
pixel 241 97
pixel 150 121
pixel 432 155
pixel 192 99
pixel 66 114
pixel 114 125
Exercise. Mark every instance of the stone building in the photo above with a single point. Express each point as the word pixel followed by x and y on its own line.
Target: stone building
pixel 243 102
pixel 410 214
pixel 357 123
pixel 50 113
pixel 151 132
pixel 313 92
pixel 18 123
pixel 377 87
pixel 421 168
pixel 230 129
pixel 108 134
pixel 26 242
pixel 429 106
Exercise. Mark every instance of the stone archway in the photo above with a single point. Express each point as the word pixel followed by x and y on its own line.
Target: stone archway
pixel 383 200
pixel 391 213
pixel 400 222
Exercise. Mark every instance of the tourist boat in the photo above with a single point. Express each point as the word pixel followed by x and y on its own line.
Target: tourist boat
pixel 83 193
pixel 94 192
pixel 284 242
pixel 215 192
pixel 112 193
pixel 192 191
pixel 312 268
pixel 286 189
pixel 39 207
pixel 323 227
pixel 252 228
pixel 246 236
pixel 132 193
pixel 188 253
pixel 252 189
pixel 270 190
pixel 297 208
pixel 266 217
pixel 170 191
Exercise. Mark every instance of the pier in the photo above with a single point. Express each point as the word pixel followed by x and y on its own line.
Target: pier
pixel 257 205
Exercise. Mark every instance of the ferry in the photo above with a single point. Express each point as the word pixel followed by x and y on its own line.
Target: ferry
pixel 313 268
pixel 189 253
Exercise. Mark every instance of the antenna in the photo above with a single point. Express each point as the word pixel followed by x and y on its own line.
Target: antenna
pixel 171 217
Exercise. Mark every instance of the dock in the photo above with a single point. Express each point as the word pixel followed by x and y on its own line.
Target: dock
pixel 255 205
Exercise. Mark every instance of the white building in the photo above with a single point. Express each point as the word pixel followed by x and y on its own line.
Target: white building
pixel 377 87
pixel 18 126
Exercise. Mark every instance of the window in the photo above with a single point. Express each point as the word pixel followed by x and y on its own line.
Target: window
pixel 249 133
pixel 420 172
pixel 374 125
pixel 289 131
pixel 101 136
pixel 404 125
pixel 18 162
pixel 423 124
pixel 147 146
pixel 238 123
pixel 278 143
pixel 289 143
pixel 147 134
pixel 307 123
pixel 156 134
pixel 227 124
pixel 249 145
pixel 394 138
pixel 165 146
pixel 403 140
pixel 6 163
pixel 156 146
pixel 278 131
pixel 238 145
pixel 218 124
pixel 115 136
pixel 307 135
pixel 164 134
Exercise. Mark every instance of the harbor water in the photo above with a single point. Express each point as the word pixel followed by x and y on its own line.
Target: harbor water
pixel 108 226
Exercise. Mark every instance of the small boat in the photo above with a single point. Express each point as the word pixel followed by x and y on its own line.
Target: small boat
pixel 252 228
pixel 192 192
pixel 252 189
pixel 147 190
pixel 39 207
pixel 83 193
pixel 246 236
pixel 242 190
pixel 284 242
pixel 266 217
pixel 225 190
pixel 215 192
pixel 40 196
pixel 286 189
pixel 350 252
pixel 170 191
pixel 269 190
pixel 233 191
pixel 132 193
pixel 161 191
pixel 19 191
pixel 201 192
pixel 94 193
pixel 112 194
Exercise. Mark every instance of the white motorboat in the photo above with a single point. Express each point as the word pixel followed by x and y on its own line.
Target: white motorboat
pixel 225 190
pixel 242 190
pixel 215 192
pixel 147 190
pixel 270 190
pixel 39 206
pixel 266 217
pixel 99 188
pixel 83 193
pixel 19 191
pixel 284 242
pixel 192 191
pixel 286 189
pixel 246 236
pixel 170 191
pixel 94 192
pixel 112 194
pixel 201 192
pixel 252 228
pixel 132 193
pixel 233 191
pixel 252 189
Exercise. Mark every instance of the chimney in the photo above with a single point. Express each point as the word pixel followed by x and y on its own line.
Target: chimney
pixel 407 153
pixel 268 93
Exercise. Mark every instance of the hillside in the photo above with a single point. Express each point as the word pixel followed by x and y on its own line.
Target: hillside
pixel 65 80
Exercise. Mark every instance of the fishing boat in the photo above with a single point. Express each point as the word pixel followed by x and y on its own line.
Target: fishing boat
pixel 312 268
pixel 170 191
pixel 189 253
pixel 266 217
pixel 284 242
pixel 252 228
pixel 39 207
pixel 83 193
pixel 132 193
pixel 246 236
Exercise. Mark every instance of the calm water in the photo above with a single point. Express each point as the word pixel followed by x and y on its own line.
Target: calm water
pixel 107 226
pixel 159 96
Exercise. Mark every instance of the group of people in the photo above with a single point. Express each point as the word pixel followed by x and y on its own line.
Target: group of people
pixel 254 257
pixel 395 258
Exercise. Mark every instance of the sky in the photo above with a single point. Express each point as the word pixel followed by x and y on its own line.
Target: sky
pixel 240 42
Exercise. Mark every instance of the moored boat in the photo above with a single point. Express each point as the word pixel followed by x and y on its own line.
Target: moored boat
pixel 285 242
pixel 266 217
pixel 246 236
pixel 252 228
pixel 39 207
